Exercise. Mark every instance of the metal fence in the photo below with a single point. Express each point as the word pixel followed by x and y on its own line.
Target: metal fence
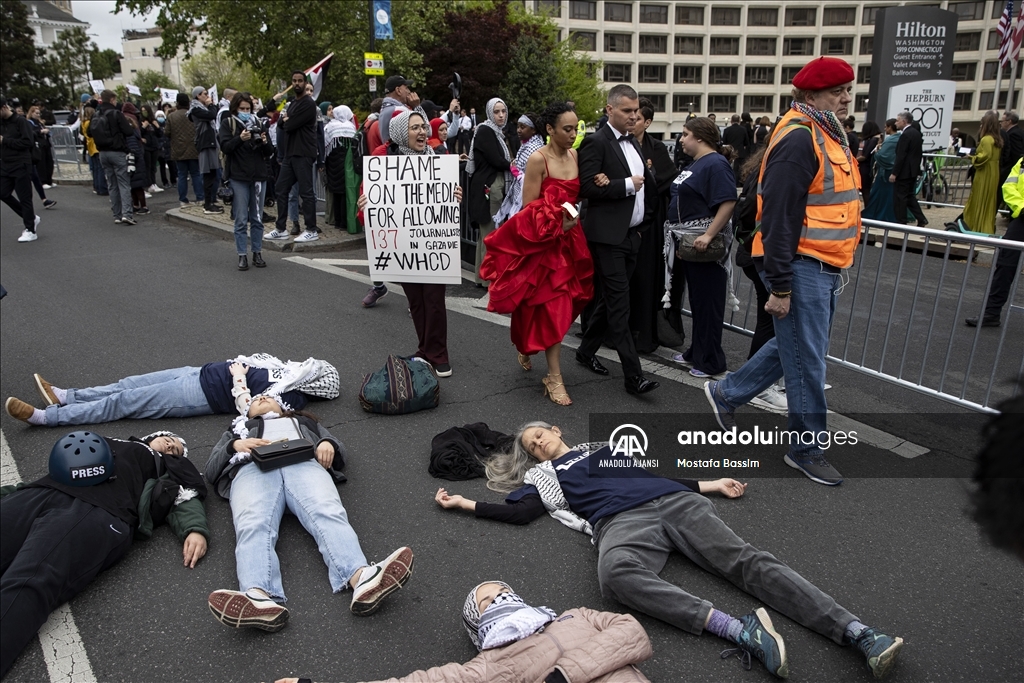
pixel 944 180
pixel 900 317
pixel 66 150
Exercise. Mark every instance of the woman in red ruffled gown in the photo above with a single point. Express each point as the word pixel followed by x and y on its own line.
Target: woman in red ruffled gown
pixel 538 262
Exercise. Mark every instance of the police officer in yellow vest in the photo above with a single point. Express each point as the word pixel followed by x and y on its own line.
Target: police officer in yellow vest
pixel 808 211
pixel 1007 260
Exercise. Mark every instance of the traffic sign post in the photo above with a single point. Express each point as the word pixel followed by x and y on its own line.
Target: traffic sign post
pixel 373 84
pixel 373 64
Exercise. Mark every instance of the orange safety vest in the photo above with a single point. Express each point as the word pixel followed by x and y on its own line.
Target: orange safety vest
pixel 831 227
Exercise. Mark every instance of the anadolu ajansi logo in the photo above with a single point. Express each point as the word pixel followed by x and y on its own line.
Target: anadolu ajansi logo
pixel 628 440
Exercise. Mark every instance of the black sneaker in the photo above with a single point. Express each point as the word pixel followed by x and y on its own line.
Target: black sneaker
pixel 816 468
pixel 49 203
pixel 986 321
pixel 879 649
pixel 760 639
pixel 213 209
pixel 129 221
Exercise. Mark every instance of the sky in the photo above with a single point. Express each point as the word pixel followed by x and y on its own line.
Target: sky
pixel 106 25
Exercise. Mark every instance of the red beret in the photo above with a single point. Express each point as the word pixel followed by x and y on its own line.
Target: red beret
pixel 823 73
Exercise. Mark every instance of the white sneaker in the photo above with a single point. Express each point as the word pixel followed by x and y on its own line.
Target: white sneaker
pixel 28 236
pixel 47 187
pixel 276 235
pixel 307 237
pixel 36 226
pixel 154 189
pixel 148 195
pixel 771 400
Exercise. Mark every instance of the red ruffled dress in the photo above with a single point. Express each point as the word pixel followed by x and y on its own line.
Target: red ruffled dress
pixel 540 274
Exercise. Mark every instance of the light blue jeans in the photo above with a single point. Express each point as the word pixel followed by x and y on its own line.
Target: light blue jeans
pixel 166 393
pixel 247 207
pixel 115 168
pixel 797 352
pixel 258 502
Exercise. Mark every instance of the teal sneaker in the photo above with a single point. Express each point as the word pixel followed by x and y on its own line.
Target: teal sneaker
pixel 760 639
pixel 879 649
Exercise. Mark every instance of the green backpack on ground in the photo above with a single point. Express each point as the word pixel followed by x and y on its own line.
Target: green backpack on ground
pixel 403 385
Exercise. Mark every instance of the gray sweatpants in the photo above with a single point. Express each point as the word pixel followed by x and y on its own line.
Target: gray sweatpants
pixel 634 545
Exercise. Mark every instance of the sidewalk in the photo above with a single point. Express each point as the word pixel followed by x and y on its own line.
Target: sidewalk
pixel 221 225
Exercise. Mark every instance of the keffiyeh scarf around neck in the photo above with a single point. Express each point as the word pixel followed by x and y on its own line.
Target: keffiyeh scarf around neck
pixel 399 131
pixel 340 126
pixel 828 121
pixel 498 133
pixel 505 620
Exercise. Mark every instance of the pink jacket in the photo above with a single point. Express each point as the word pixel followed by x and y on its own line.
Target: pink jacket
pixel 585 645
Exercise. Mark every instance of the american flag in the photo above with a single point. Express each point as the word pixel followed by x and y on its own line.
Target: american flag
pixel 1018 35
pixel 1003 28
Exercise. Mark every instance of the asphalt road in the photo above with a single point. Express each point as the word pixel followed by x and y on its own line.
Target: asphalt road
pixel 91 302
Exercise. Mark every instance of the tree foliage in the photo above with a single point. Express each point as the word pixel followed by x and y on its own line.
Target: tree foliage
pixel 530 83
pixel 213 67
pixel 104 63
pixel 22 66
pixel 149 81
pixel 68 63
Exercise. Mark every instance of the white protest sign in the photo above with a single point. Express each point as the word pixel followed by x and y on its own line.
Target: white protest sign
pixel 412 218
pixel 134 90
pixel 168 95
pixel 97 86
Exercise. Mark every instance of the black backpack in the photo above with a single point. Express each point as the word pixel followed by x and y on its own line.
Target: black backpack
pixel 102 131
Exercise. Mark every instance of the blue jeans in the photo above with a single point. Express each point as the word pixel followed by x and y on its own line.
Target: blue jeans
pixel 247 208
pixel 115 166
pixel 99 178
pixel 797 352
pixel 166 393
pixel 187 167
pixel 258 502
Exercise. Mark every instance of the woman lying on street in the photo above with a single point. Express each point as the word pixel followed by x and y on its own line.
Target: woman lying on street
pixel 309 489
pixel 638 518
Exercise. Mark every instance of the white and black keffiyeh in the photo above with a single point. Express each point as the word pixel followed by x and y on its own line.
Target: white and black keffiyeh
pixel 313 377
pixel 509 619
pixel 543 478
pixel 498 133
pixel 513 201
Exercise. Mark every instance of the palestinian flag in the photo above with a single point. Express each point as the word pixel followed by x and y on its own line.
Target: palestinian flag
pixel 317 73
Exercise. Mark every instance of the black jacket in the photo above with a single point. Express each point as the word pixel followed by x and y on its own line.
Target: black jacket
pixel 908 154
pixel 609 208
pixel 203 118
pixel 738 137
pixel 1013 149
pixel 301 129
pixel 245 160
pixel 488 161
pixel 120 129
pixel 16 151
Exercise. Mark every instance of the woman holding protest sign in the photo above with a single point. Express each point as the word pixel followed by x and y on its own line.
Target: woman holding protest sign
pixel 538 264
pixel 409 133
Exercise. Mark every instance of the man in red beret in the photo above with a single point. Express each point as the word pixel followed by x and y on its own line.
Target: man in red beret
pixel 809 209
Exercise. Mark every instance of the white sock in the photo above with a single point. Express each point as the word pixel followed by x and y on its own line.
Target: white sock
pixel 61 394
pixel 37 418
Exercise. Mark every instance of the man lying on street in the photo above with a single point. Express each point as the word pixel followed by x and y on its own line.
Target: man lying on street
pixel 181 392
pixel 637 518
pixel 59 532
pixel 259 496
pixel 519 643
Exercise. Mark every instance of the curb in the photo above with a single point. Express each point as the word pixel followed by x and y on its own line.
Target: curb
pixel 344 242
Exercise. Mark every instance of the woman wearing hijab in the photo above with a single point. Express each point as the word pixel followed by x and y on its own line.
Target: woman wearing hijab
pixel 488 168
pixel 530 141
pixel 342 167
pixel 409 132
pixel 438 136
pixel 519 643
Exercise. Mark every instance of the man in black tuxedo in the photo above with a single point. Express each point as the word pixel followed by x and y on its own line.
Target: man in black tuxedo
pixel 909 151
pixel 615 215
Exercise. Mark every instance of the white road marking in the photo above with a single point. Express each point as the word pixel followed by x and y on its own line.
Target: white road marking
pixel 63 650
pixel 474 308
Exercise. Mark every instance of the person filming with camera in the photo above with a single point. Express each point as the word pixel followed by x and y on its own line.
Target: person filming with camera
pixel 246 150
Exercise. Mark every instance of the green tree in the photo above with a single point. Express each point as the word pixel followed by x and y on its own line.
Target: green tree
pixel 213 67
pixel 104 63
pixel 68 63
pixel 578 81
pixel 532 80
pixel 149 81
pixel 22 72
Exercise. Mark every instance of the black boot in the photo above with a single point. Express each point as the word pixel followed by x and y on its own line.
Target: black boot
pixel 243 262
pixel 257 260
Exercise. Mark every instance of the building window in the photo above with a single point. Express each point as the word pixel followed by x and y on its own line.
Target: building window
pixel 690 16
pixel 837 46
pixel 966 11
pixel 788 73
pixel 759 75
pixel 991 68
pixel 761 46
pixel 968 42
pixel 653 14
pixel 967 71
pixel 760 16
pixel 583 9
pixel 864 75
pixel 657 100
pixel 689 45
pixel 653 45
pixel 801 17
pixel 583 40
pixel 985 103
pixel 552 8
pixel 143 51
pixel 869 15
pixel 618 42
pixel 687 74
pixel 722 74
pixel 962 101
pixel 860 103
pixel 757 103
pixel 839 16
pixel 618 11
pixel 993 40
pixel 867 45
pixel 652 73
pixel 683 102
pixel 798 46
pixel 725 46
pixel 725 16
pixel 722 104
pixel 618 73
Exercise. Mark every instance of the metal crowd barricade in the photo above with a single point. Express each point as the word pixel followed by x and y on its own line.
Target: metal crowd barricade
pixel 944 180
pixel 900 317
pixel 66 149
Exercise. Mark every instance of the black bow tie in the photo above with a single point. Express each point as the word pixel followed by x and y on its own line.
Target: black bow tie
pixel 627 136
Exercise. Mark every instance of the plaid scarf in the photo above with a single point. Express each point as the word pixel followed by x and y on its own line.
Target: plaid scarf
pixel 828 121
